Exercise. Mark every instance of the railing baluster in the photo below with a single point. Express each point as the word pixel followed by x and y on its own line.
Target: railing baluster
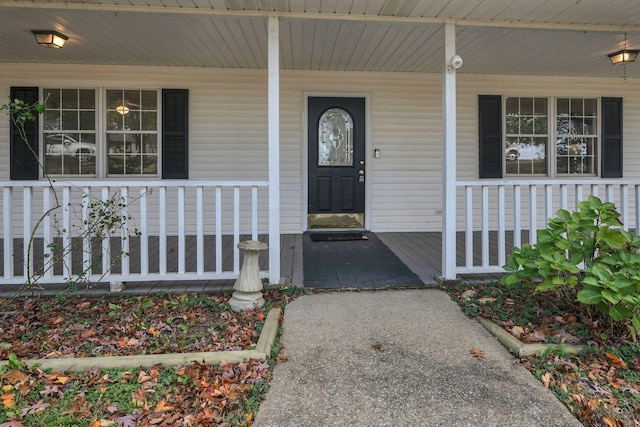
pixel 578 196
pixel 564 198
pixel 7 225
pixel 124 242
pixel 67 248
pixel 517 226
pixel 47 234
pixel 106 239
pixel 533 214
pixel 637 210
pixel 219 230
pixel 27 249
pixel 236 229
pixel 86 238
pixel 254 213
pixel 548 201
pixel 624 206
pixel 485 226
pixel 144 232
pixel 468 247
pixel 199 230
pixel 162 232
pixel 502 257
pixel 181 232
pixel 610 192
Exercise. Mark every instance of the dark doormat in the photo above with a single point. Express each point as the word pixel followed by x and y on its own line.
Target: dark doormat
pixel 354 264
pixel 336 237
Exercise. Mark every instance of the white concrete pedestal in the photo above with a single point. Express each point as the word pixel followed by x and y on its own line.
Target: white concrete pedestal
pixel 248 286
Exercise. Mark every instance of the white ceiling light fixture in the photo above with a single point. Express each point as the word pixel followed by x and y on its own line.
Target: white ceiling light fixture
pixel 50 38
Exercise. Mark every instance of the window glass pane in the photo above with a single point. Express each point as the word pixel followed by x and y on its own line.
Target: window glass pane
pixel 87 99
pixel 513 105
pixel 590 107
pixel 69 132
pixel 52 120
pixel 70 120
pixel 540 107
pixel 576 127
pixel 513 125
pixel 526 106
pixel 590 126
pixel 70 154
pixel 149 120
pixel 526 125
pixel 335 138
pixel 52 99
pixel 132 120
pixel 114 99
pixel 150 164
pixel 149 100
pixel 132 134
pixel 562 107
pixel 115 120
pixel 150 144
pixel 132 99
pixel 576 107
pixel 69 99
pixel 540 126
pixel 87 120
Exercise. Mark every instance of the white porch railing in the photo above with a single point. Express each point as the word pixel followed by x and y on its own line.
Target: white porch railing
pixel 495 216
pixel 170 230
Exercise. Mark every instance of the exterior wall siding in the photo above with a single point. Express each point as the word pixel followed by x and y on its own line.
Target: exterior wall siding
pixel 228 127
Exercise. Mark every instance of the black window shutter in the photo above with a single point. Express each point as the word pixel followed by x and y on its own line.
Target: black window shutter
pixel 175 134
pixel 23 163
pixel 611 138
pixel 490 136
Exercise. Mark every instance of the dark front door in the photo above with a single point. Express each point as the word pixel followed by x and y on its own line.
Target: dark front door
pixel 336 162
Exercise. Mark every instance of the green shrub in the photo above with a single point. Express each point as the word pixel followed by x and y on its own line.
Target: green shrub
pixel 585 256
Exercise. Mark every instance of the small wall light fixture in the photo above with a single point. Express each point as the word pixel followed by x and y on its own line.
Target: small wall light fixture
pixel 50 38
pixel 625 56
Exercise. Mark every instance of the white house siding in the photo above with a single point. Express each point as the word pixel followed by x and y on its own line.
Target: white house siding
pixel 228 128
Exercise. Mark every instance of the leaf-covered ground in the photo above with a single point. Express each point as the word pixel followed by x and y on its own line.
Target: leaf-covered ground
pixel 600 386
pixel 116 326
pixel 197 395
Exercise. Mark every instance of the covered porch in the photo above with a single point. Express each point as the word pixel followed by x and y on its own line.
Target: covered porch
pixel 248 70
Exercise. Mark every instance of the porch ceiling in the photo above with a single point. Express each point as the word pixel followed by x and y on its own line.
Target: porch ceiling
pixel 525 37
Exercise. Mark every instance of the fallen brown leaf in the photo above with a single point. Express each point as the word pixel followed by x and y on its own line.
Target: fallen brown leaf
pixel 477 353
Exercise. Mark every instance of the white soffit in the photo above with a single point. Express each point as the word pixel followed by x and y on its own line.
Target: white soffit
pixel 493 37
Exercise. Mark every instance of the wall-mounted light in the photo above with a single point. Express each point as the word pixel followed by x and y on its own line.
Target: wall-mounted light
pixel 50 38
pixel 122 109
pixel 454 64
pixel 624 56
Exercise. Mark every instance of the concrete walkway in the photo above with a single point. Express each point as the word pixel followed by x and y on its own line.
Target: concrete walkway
pixel 398 358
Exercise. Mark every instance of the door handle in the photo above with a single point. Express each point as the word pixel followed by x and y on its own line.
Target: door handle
pixel 361 172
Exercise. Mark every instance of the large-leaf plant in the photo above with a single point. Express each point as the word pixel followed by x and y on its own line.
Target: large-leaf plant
pixel 586 256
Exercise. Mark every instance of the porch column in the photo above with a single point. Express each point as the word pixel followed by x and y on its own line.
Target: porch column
pixel 449 156
pixel 274 147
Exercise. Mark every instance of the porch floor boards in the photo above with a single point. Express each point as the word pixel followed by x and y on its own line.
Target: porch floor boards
pixel 420 251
